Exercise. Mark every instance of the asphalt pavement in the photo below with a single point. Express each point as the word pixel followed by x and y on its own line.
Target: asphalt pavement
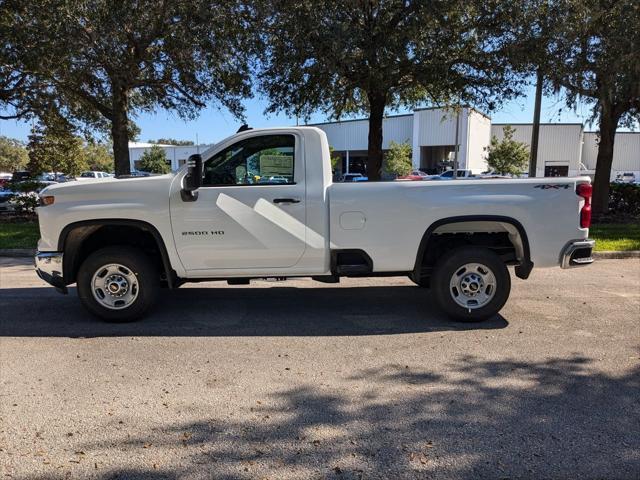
pixel 295 380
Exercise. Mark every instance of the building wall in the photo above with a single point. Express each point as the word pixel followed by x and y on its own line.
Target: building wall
pixel 353 135
pixel 478 141
pixel 558 144
pixel 177 155
pixel 626 153
pixel 438 127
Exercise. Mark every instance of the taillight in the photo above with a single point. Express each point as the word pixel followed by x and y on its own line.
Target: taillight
pixel 585 190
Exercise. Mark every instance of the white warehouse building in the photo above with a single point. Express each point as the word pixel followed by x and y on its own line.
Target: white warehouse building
pixel 565 149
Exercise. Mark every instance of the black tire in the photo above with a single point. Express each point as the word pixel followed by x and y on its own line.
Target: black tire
pixel 147 288
pixel 451 264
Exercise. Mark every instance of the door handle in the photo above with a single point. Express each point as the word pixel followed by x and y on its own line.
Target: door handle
pixel 286 200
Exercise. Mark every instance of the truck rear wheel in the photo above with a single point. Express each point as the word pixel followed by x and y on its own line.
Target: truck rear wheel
pixel 471 283
pixel 118 284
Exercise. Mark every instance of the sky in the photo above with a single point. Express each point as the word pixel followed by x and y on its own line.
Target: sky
pixel 214 124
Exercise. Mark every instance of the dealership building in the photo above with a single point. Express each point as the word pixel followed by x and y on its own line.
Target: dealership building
pixel 564 149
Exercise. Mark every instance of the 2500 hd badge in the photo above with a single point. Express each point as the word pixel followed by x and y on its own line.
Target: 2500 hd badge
pixel 199 233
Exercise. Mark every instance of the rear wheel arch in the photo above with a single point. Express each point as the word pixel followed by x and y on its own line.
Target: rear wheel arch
pixel 79 239
pixel 455 229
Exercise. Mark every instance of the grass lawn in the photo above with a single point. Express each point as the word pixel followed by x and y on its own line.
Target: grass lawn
pixel 19 235
pixel 612 236
pixel 616 236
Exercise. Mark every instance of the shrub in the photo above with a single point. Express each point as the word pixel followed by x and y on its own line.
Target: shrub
pixel 154 160
pixel 25 203
pixel 507 156
pixel 25 199
pixel 624 198
pixel 397 161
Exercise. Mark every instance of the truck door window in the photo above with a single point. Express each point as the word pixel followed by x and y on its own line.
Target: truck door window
pixel 260 160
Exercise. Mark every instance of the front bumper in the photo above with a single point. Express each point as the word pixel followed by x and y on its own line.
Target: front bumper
pixel 577 253
pixel 49 268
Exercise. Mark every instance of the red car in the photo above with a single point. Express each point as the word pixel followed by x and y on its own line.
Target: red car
pixel 415 175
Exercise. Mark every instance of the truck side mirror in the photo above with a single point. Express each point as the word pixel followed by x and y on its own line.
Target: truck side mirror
pixel 193 179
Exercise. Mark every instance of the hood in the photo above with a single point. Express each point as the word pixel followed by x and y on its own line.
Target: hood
pixel 103 185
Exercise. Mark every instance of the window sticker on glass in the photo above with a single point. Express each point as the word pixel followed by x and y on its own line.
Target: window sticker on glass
pixel 281 165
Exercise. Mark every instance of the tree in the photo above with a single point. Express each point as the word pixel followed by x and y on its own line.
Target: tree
pixel 98 157
pixel 346 57
pixel 103 61
pixel 53 147
pixel 533 27
pixel 154 160
pixel 172 141
pixel 596 55
pixel 507 156
pixel 397 161
pixel 13 155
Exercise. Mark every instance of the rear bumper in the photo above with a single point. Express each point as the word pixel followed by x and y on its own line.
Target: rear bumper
pixel 577 253
pixel 49 268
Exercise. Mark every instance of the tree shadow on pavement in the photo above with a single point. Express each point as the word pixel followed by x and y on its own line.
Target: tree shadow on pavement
pixel 276 311
pixel 559 418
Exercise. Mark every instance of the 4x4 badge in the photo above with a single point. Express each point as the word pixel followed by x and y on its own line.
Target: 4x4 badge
pixel 555 186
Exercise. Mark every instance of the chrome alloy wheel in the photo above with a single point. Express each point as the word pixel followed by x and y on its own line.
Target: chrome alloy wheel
pixel 114 286
pixel 473 285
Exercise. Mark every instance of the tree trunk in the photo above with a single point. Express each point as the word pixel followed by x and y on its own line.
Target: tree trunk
pixel 535 132
pixel 120 131
pixel 607 131
pixel 377 102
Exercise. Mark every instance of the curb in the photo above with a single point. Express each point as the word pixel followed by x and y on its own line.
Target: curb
pixel 617 254
pixel 17 252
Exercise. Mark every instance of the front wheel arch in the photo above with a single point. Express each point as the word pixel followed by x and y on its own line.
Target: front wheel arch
pixel 79 239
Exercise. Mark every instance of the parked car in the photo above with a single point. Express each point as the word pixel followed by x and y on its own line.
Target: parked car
pixel 6 196
pixel 92 175
pixel 353 177
pixel 21 176
pixel 5 178
pixel 415 175
pixel 51 177
pixel 448 175
pixel 137 173
pixel 121 240
pixel 626 177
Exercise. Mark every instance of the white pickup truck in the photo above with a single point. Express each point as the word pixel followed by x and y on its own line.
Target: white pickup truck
pixel 261 204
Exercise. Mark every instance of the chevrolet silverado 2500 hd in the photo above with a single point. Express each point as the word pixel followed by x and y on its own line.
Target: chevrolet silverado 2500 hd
pixel 262 204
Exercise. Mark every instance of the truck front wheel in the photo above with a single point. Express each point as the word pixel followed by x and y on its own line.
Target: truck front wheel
pixel 471 283
pixel 118 284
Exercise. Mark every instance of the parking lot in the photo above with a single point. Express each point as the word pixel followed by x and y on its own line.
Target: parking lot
pixel 307 380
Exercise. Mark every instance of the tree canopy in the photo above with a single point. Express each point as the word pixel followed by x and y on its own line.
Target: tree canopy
pixel 100 62
pixel 344 57
pixel 98 157
pixel 13 155
pixel 53 147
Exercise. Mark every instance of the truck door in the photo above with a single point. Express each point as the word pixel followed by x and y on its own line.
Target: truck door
pixel 250 212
